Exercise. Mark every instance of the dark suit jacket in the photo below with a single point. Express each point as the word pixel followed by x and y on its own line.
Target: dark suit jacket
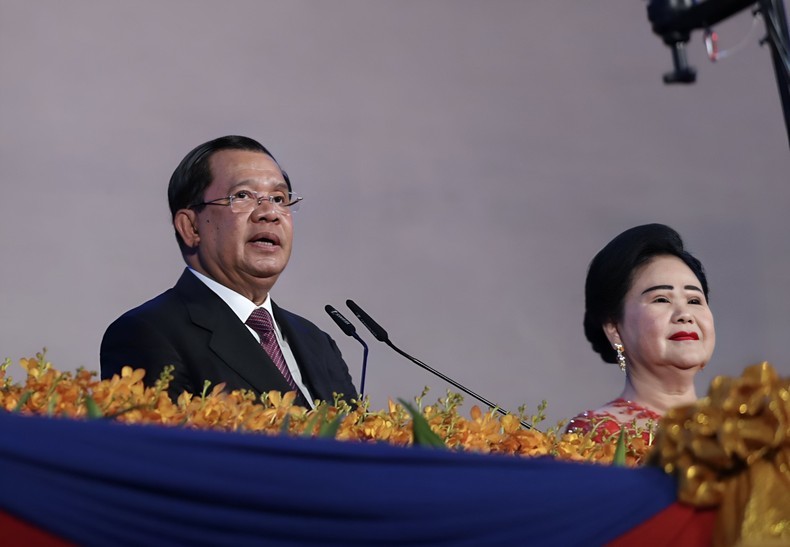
pixel 192 328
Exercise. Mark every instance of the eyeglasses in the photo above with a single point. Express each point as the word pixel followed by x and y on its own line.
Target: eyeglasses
pixel 245 201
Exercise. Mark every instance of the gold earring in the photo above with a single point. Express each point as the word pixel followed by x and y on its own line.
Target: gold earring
pixel 620 356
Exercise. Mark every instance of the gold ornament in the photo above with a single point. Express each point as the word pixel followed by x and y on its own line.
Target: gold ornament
pixel 731 449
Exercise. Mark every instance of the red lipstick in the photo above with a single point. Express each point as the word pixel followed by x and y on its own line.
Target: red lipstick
pixel 682 335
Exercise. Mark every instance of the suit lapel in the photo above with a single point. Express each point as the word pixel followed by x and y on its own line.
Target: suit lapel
pixel 231 342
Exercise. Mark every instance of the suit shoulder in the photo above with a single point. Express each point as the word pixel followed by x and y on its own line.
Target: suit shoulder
pixel 163 305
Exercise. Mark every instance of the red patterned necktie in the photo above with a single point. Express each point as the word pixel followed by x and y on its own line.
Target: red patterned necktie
pixel 261 322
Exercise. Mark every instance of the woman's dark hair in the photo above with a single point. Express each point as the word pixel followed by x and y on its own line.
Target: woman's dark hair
pixel 193 175
pixel 611 274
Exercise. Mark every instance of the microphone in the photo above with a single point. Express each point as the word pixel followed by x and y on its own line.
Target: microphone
pixel 346 326
pixel 381 335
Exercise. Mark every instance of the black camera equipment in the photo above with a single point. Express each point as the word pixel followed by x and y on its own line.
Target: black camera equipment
pixel 675 20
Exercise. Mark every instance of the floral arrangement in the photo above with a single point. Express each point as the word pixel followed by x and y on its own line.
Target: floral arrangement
pixel 126 399
pixel 730 449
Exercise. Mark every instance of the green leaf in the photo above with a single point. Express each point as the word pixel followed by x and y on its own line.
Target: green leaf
pixel 422 433
pixel 93 409
pixel 319 415
pixel 619 451
pixel 52 405
pixel 23 400
pixel 328 430
pixel 286 424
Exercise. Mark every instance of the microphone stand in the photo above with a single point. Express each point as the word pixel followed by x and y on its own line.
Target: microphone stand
pixel 453 382
pixel 349 329
pixel 364 364
pixel 381 335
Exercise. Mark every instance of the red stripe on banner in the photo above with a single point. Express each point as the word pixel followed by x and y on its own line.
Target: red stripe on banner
pixel 677 525
pixel 18 532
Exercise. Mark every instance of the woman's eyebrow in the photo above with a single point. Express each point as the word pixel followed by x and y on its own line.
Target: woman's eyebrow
pixel 658 288
pixel 670 287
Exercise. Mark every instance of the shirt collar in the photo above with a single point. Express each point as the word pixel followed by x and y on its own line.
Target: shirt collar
pixel 241 305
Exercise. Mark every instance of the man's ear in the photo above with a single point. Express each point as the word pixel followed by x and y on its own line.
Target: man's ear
pixel 611 332
pixel 185 224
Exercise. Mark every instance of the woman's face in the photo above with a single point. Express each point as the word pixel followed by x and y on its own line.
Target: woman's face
pixel 666 319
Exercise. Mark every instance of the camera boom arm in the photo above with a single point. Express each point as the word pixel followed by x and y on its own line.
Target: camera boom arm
pixel 674 21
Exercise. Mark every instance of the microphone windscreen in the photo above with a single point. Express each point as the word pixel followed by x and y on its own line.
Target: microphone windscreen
pixel 344 324
pixel 379 333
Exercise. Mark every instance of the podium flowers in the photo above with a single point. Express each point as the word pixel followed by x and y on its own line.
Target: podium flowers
pixel 730 449
pixel 124 398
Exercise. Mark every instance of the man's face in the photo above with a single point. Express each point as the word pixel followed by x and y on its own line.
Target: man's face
pixel 243 251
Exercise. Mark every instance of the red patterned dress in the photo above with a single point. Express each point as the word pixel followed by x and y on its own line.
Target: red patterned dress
pixel 605 423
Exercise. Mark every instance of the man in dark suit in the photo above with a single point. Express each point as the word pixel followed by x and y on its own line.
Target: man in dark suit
pixel 232 208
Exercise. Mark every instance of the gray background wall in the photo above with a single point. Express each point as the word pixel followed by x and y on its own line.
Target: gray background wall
pixel 461 162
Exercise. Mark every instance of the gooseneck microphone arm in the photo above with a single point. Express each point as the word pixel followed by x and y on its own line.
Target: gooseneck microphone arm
pixel 346 326
pixel 381 335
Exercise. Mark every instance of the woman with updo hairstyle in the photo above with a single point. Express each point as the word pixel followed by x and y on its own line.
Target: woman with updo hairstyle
pixel 646 312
